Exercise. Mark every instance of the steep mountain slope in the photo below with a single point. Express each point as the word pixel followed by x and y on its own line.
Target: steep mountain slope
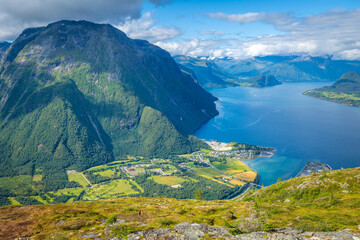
pixel 207 73
pixel 346 90
pixel 289 68
pixel 75 94
pixel 3 47
pixel 323 202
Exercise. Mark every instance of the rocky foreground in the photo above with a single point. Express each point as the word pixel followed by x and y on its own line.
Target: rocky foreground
pixel 188 231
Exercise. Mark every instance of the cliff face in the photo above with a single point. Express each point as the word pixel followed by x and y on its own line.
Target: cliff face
pixel 75 94
pixel 3 47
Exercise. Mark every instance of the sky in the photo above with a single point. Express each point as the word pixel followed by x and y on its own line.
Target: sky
pixel 211 28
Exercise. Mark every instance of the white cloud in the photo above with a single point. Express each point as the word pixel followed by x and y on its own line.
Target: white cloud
pixel 336 33
pixel 143 28
pixel 212 32
pixel 16 15
pixel 280 20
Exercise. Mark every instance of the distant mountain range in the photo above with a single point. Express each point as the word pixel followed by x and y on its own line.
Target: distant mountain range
pixel 225 72
pixel 210 75
pixel 206 72
pixel 289 68
pixel 75 94
pixel 346 90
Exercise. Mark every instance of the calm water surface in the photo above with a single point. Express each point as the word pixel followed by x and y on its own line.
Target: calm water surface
pixel 301 128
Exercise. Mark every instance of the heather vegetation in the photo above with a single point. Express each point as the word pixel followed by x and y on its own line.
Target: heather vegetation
pixel 327 201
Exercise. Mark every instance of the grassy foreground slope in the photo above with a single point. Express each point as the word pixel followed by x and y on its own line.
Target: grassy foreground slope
pixel 328 201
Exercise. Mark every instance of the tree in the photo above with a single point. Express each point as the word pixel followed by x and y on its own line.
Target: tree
pixel 199 195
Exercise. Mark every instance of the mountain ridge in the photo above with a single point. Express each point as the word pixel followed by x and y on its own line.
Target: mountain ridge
pixel 76 94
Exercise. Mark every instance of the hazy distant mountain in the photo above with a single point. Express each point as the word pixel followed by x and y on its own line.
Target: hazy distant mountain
pixel 76 94
pixel 206 72
pixel 289 68
pixel 260 81
pixel 346 90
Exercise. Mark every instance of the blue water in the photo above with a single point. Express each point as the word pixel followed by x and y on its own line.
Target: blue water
pixel 301 128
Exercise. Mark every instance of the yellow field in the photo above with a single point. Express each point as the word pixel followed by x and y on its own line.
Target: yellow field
pixel 248 176
pixel 237 182
pixel 37 177
pixel 168 180
pixel 79 178
pixel 210 173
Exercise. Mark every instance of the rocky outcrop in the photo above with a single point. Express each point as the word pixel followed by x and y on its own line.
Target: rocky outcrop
pixel 188 231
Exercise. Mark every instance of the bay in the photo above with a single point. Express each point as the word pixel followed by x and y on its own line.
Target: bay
pixel 301 128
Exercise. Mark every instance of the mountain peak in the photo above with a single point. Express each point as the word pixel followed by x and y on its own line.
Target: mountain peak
pixel 76 94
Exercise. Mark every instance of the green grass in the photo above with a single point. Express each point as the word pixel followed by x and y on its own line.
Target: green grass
pixel 168 180
pixel 171 170
pixel 106 173
pixel 211 174
pixel 69 191
pixel 321 202
pixel 112 189
pixel 344 98
pixel 79 178
pixel 191 164
pixel 206 150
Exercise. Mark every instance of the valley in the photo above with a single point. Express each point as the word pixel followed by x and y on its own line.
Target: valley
pixel 219 174
pixel 320 205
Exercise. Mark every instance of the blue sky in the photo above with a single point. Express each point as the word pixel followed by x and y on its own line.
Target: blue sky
pixel 190 16
pixel 235 28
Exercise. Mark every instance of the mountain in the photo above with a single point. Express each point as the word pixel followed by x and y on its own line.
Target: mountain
pixel 318 206
pixel 3 47
pixel 75 94
pixel 289 68
pixel 206 72
pixel 260 81
pixel 346 90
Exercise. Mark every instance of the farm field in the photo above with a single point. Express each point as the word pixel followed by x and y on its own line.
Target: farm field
pixel 79 178
pixel 112 189
pixel 168 180
pixel 106 173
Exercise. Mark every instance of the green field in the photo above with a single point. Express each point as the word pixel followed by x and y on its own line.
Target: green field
pixel 191 164
pixel 171 169
pixel 106 173
pixel 208 172
pixel 69 191
pixel 211 174
pixel 206 150
pixel 233 167
pixel 79 178
pixel 168 180
pixel 113 189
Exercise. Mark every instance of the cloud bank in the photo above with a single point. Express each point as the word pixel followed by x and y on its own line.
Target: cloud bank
pixel 143 28
pixel 16 15
pixel 336 32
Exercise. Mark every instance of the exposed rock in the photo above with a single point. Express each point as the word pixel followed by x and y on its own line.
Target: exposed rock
pixel 188 231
